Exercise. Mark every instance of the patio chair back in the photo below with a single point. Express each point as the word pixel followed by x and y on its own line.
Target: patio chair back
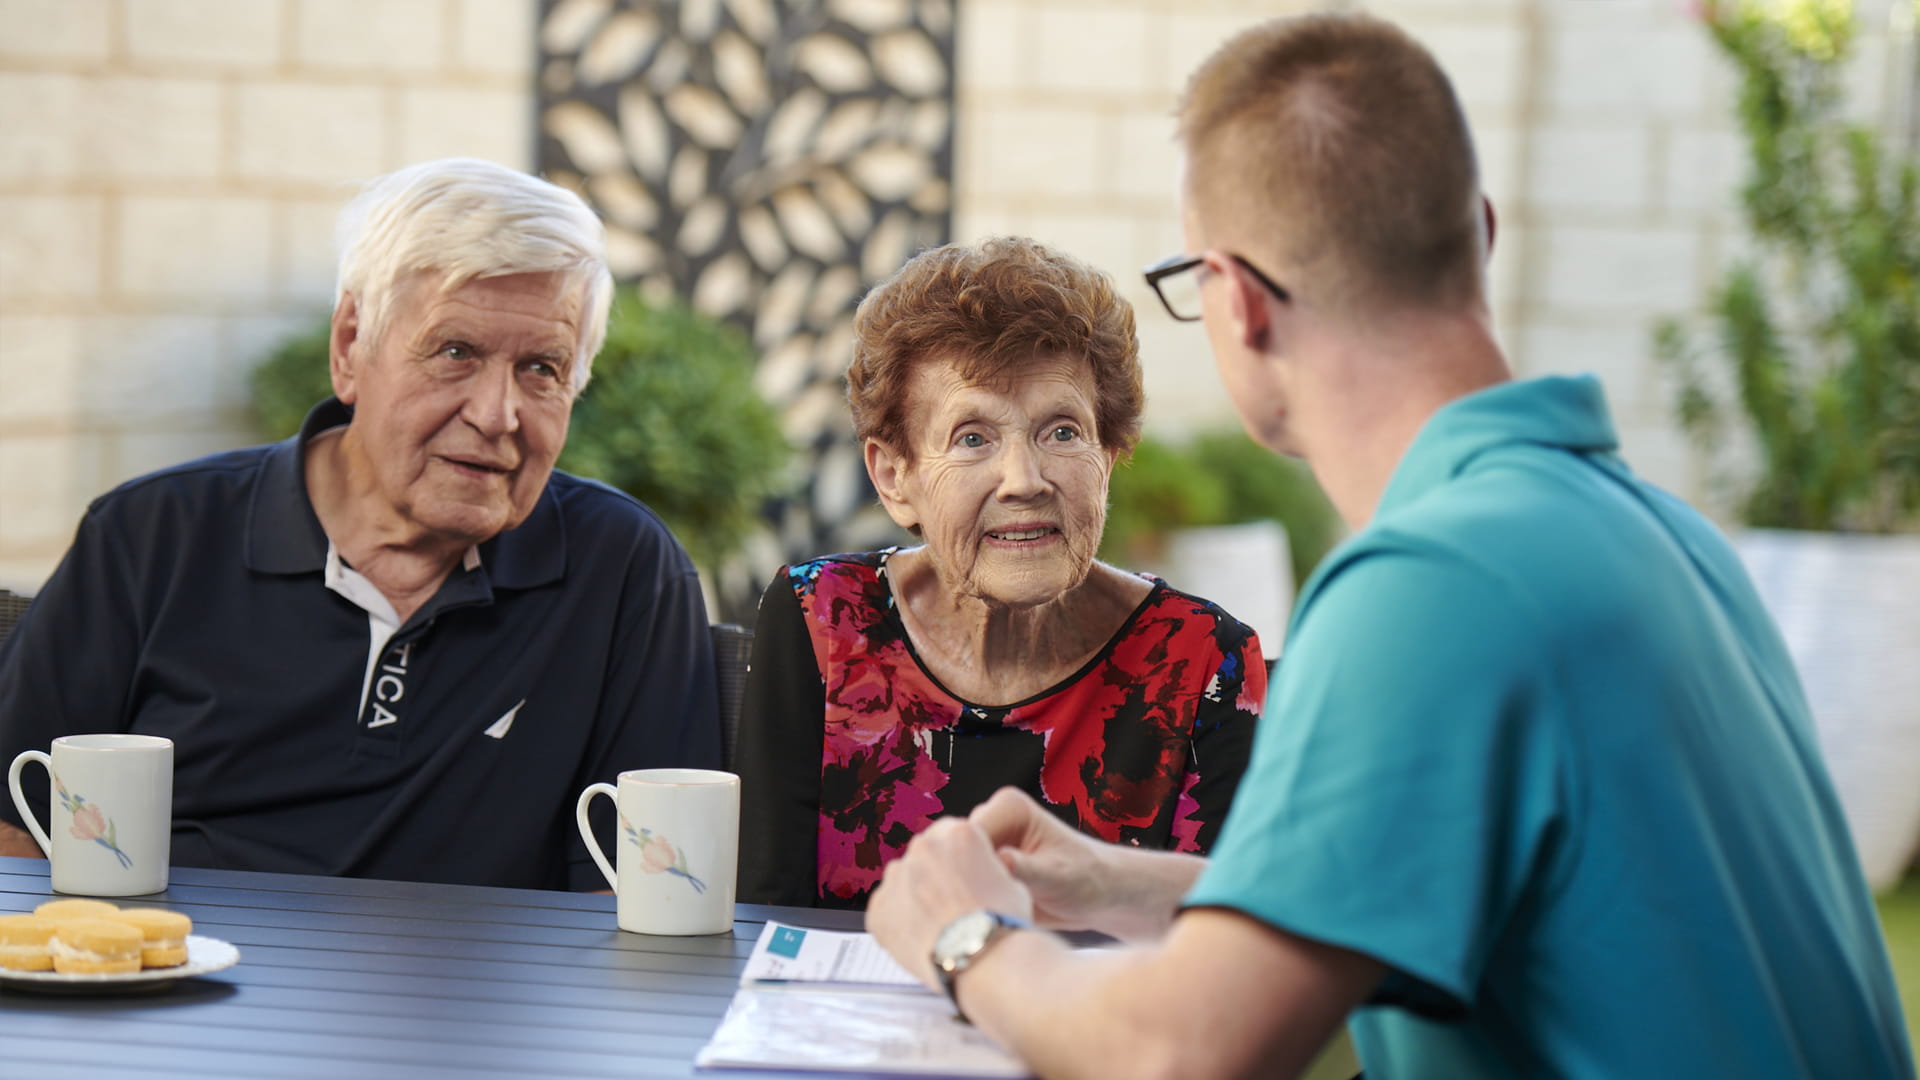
pixel 732 644
pixel 13 607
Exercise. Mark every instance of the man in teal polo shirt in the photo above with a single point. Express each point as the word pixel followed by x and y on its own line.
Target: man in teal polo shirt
pixel 1538 794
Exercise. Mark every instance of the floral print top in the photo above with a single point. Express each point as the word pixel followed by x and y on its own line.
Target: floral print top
pixel 848 747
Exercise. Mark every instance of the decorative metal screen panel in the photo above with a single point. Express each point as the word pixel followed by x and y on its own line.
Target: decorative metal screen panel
pixel 768 161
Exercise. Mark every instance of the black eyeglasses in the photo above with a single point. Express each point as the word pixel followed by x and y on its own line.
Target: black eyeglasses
pixel 1179 290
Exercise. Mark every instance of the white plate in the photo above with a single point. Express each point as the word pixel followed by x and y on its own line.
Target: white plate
pixel 205 955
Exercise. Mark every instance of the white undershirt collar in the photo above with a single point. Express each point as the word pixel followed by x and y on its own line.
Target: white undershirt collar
pixel 382 621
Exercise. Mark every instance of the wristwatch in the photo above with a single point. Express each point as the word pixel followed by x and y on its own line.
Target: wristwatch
pixel 962 942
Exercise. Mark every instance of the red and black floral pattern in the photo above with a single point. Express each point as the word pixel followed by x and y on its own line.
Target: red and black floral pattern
pixel 1144 745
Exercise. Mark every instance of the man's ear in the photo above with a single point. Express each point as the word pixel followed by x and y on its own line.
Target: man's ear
pixel 887 469
pixel 1246 302
pixel 343 335
pixel 1486 212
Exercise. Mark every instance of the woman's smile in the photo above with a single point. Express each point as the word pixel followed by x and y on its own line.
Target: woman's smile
pixel 1023 537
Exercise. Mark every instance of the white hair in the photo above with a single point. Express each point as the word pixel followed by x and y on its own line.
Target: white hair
pixel 464 218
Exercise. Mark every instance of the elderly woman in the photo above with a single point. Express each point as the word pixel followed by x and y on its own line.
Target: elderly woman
pixel 993 388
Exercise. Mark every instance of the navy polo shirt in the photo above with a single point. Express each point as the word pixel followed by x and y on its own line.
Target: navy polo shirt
pixel 311 735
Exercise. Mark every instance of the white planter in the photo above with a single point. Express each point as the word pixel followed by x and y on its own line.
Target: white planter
pixel 1246 569
pixel 1849 608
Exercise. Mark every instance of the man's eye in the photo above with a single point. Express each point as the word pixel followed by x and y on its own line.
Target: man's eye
pixel 544 369
pixel 457 350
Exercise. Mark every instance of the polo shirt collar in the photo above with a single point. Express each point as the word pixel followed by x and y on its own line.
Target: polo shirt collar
pixel 1563 412
pixel 284 534
pixel 532 553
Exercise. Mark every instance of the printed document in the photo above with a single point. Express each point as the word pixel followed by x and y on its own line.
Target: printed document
pixel 832 1001
pixel 791 954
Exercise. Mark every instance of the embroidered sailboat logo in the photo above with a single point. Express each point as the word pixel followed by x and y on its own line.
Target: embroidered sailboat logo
pixel 498 729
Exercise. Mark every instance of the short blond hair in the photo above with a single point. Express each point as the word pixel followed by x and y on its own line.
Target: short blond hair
pixel 1334 144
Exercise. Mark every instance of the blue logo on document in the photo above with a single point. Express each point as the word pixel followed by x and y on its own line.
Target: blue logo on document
pixel 786 942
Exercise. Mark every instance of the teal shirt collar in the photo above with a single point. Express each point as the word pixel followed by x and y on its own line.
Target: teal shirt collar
pixel 1569 412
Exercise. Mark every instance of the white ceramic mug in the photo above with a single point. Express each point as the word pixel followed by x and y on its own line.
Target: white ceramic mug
pixel 111 812
pixel 678 846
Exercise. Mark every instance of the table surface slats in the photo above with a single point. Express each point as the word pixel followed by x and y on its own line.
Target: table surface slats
pixel 350 977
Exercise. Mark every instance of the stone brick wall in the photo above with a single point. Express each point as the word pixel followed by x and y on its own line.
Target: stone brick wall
pixel 169 170
pixel 169 173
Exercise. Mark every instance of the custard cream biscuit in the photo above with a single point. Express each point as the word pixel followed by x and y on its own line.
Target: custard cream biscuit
pixel 96 947
pixel 164 932
pixel 75 909
pixel 25 943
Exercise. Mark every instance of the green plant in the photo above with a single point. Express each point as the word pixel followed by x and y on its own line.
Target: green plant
pixel 1900 923
pixel 290 380
pixel 1261 485
pixel 671 417
pixel 1158 488
pixel 1820 330
pixel 1217 478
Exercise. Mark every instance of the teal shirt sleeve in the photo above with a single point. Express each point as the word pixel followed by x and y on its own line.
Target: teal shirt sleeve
pixel 1406 797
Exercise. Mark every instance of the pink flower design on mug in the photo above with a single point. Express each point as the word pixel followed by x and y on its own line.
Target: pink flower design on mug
pixel 90 823
pixel 658 855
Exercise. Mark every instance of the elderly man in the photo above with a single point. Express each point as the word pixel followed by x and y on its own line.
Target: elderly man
pixel 399 643
pixel 1539 795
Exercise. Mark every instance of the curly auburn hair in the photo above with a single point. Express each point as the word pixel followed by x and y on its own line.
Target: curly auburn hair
pixel 990 310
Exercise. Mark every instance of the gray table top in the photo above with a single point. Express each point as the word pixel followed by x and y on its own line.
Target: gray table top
pixel 350 977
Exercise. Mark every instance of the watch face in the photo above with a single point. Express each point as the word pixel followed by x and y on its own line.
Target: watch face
pixel 963 937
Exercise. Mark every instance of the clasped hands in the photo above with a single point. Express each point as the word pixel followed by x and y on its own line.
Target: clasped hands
pixel 1010 855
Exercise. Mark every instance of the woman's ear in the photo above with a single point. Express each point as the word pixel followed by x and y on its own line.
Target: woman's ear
pixel 888 470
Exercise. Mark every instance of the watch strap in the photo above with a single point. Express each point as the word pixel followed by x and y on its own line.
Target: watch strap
pixel 950 967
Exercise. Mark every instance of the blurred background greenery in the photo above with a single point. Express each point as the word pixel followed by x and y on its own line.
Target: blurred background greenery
pixel 1218 477
pixel 1810 343
pixel 1900 921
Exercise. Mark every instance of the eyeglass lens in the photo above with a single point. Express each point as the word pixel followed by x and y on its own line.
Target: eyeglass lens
pixel 1181 293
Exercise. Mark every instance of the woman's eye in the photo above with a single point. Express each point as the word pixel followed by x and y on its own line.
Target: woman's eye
pixel 973 440
pixel 1063 433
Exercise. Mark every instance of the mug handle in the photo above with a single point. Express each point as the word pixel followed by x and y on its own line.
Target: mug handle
pixel 579 817
pixel 20 800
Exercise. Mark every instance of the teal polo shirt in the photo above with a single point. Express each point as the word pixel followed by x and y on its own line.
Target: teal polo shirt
pixel 1536 747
